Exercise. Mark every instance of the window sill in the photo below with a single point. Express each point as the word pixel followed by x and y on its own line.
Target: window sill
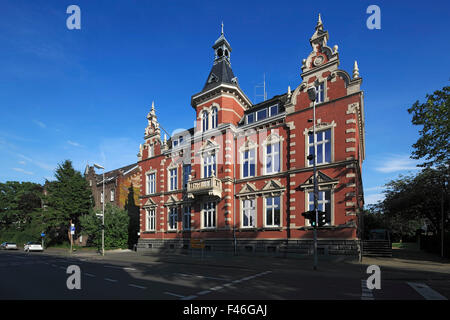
pixel 272 228
pixel 244 229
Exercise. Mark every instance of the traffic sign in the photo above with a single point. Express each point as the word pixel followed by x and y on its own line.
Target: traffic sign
pixel 197 243
pixel 72 229
pixel 42 234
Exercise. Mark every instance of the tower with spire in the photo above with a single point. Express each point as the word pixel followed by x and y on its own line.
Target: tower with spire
pixel 221 88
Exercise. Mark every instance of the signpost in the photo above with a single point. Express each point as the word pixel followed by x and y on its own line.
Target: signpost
pixel 72 232
pixel 198 244
pixel 42 236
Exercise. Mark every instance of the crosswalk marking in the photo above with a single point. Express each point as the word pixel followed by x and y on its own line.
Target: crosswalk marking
pixel 426 292
pixel 366 293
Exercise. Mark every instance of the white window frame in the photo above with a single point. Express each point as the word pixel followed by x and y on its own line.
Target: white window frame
pixel 150 222
pixel 330 201
pixel 211 210
pixel 214 117
pixel 112 194
pixel 172 215
pixel 206 156
pixel 271 140
pixel 252 210
pixel 172 179
pixel 247 148
pixel 205 120
pixel 319 128
pixel 150 182
pixel 272 211
pixel 320 89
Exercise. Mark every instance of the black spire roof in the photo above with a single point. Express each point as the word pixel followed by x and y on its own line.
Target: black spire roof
pixel 221 71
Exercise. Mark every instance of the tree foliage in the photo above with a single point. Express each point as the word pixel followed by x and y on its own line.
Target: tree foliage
pixel 116 227
pixel 20 211
pixel 412 201
pixel 434 141
pixel 68 198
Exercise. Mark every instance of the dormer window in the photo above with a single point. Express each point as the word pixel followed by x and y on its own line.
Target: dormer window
pixel 262 114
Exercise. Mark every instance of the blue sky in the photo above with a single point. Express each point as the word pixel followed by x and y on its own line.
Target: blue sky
pixel 84 94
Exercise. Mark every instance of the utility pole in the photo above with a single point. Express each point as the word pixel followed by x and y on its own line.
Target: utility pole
pixel 103 208
pixel 312 97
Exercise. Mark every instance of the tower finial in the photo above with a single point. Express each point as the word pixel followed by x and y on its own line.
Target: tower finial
pixel 222 27
pixel 153 105
pixel 355 70
pixel 319 21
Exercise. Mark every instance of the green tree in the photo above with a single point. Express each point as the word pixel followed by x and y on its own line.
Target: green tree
pixel 18 200
pixel 412 201
pixel 116 227
pixel 434 141
pixel 68 198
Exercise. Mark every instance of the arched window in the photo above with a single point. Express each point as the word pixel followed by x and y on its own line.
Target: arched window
pixel 204 120
pixel 214 118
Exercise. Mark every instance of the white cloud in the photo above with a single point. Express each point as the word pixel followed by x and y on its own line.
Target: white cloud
pixel 23 171
pixel 22 162
pixel 395 163
pixel 373 198
pixel 75 144
pixel 40 123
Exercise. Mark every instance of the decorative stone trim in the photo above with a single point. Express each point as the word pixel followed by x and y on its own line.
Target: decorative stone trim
pixel 351 130
pixel 291 191
pixel 292 200
pixel 292 135
pixel 227 170
pixel 350 121
pixel 292 160
pixel 351 149
pixel 292 144
pixel 292 152
pixel 350 185
pixel 350 175
pixel 227 190
pixel 349 204
pixel 350 140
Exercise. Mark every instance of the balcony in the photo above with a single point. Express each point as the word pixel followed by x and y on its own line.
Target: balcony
pixel 210 186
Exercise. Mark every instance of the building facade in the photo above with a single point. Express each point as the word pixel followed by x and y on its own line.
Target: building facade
pixel 241 179
pixel 117 185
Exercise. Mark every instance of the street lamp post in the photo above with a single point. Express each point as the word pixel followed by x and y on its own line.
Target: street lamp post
pixel 312 97
pixel 103 209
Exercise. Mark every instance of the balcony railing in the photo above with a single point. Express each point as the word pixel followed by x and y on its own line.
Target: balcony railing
pixel 210 186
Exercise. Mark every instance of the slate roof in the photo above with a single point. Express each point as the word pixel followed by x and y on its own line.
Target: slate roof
pixel 111 175
pixel 221 72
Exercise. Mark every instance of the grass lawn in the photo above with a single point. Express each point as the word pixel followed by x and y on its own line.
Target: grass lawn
pixel 405 245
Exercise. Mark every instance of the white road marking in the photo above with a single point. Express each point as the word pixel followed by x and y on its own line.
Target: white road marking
pixel 111 280
pixel 174 294
pixel 202 277
pixel 426 292
pixel 89 275
pixel 366 293
pixel 203 292
pixel 136 286
pixel 189 297
pixel 216 288
pixel 124 268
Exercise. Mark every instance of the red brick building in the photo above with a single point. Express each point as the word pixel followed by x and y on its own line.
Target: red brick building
pixel 241 179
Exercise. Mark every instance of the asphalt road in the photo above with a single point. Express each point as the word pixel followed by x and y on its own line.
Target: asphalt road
pixel 133 276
